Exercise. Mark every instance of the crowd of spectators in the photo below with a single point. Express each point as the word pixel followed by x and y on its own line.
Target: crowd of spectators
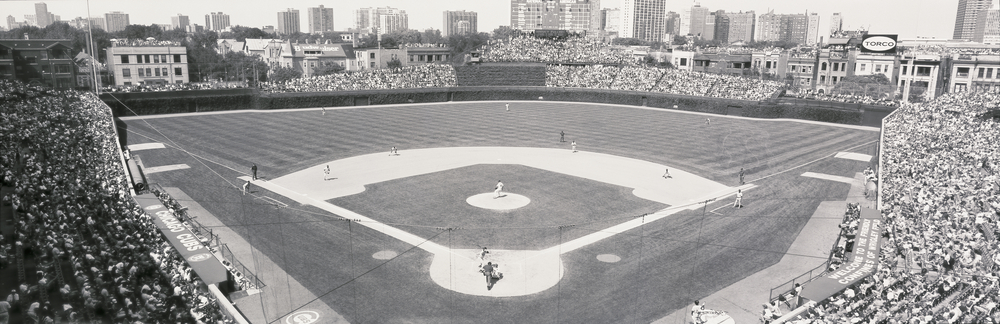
pixel 929 49
pixel 580 76
pixel 847 98
pixel 148 42
pixel 176 86
pixel 940 190
pixel 645 78
pixel 419 76
pixel 526 48
pixel 89 252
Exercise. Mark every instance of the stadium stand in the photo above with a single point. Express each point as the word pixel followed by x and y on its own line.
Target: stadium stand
pixel 940 194
pixel 83 250
pixel 420 76
pixel 524 48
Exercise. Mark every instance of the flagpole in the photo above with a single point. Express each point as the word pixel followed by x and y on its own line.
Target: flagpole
pixel 93 55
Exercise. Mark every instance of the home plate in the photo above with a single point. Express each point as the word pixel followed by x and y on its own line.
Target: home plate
pixel 506 201
pixel 524 272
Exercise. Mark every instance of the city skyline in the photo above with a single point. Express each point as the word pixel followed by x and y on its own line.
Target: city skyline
pixel 909 19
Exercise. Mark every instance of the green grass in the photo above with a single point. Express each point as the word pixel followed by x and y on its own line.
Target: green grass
pixel 427 202
pixel 664 265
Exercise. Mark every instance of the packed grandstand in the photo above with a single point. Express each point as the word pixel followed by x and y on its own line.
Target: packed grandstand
pixel 940 192
pixel 605 68
pixel 83 248
pixel 95 255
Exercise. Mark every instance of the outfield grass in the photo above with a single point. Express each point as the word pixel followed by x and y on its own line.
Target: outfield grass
pixel 664 265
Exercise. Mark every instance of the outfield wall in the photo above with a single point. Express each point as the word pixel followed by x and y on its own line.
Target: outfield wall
pixel 150 103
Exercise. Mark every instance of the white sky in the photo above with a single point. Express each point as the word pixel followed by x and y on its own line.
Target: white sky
pixel 908 18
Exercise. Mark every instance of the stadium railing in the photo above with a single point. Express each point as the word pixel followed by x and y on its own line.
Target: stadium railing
pixel 243 273
pixel 801 279
pixel 878 206
pixel 206 235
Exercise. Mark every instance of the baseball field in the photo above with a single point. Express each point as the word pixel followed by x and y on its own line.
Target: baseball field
pixel 600 235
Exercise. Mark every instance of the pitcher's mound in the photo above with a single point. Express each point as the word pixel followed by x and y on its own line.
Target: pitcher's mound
pixel 507 201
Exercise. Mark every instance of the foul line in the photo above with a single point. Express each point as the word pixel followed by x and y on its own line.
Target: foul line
pixel 813 161
pixel 435 248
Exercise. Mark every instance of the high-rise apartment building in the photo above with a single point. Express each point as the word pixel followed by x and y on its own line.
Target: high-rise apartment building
pixel 595 19
pixel 794 28
pixel 288 21
pixel 733 27
pixel 965 19
pixel 697 17
pixel 180 21
pixel 115 21
pixel 812 30
pixel 768 27
pixel 987 27
pixel 782 27
pixel 459 23
pixel 381 21
pixel 83 23
pixel 98 23
pixel 216 21
pixel 611 21
pixel 836 23
pixel 571 15
pixel 672 24
pixel 320 20
pixel 42 16
pixel 644 19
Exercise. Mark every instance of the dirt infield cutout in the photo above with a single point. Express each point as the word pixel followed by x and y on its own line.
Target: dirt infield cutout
pixel 525 271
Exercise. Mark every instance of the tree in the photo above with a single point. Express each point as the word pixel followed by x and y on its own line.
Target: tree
pixel 504 32
pixel 176 35
pixel 239 66
pixel 649 60
pixel 464 44
pixel 282 74
pixel 141 32
pixel 205 39
pixel 679 40
pixel 628 41
pixel 325 68
pixel 204 64
pixel 401 37
pixel 241 33
pixel 432 36
pixel 367 41
pixel 707 43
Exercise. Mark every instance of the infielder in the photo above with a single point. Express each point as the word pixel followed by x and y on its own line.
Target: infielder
pixel 739 199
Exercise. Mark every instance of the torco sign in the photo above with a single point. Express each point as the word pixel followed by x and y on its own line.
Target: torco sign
pixel 879 44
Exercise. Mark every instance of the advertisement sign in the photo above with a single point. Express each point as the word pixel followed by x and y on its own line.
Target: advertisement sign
pixel 879 44
pixel 863 262
pixel 197 255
